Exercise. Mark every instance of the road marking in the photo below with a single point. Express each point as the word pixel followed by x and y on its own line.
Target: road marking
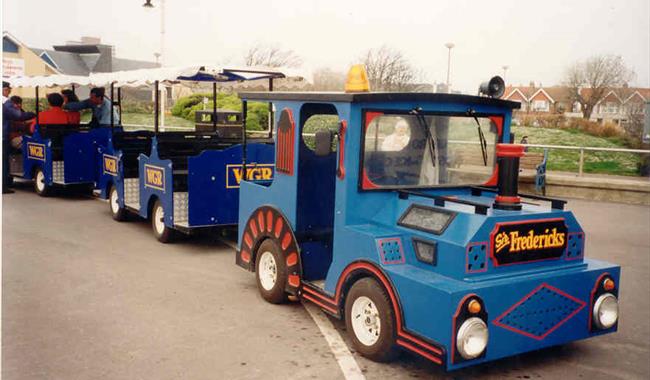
pixel 349 366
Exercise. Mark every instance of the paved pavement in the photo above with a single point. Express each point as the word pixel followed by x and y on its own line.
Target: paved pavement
pixel 84 297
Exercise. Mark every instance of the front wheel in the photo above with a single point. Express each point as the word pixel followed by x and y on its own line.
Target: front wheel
pixel 118 213
pixel 163 233
pixel 271 272
pixel 40 186
pixel 370 321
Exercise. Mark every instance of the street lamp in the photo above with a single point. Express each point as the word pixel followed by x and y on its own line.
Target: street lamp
pixel 449 45
pixel 505 69
pixel 149 5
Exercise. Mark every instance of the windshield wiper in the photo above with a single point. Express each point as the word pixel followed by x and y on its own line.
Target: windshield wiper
pixel 423 123
pixel 481 137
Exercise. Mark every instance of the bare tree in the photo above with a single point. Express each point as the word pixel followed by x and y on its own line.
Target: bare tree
pixel 326 79
pixel 589 81
pixel 271 56
pixel 389 70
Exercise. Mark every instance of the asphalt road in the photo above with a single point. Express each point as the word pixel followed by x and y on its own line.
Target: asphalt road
pixel 85 297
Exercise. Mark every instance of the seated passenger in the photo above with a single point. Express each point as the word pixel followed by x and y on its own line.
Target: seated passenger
pixel 69 96
pixel 397 140
pixel 99 104
pixel 18 125
pixel 53 115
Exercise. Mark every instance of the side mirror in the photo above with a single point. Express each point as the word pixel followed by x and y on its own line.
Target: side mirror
pixel 323 139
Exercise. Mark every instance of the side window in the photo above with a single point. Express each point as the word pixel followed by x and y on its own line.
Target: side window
pixel 317 117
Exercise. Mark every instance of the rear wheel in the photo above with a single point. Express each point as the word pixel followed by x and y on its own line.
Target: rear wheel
pixel 40 186
pixel 118 213
pixel 271 272
pixel 163 233
pixel 370 320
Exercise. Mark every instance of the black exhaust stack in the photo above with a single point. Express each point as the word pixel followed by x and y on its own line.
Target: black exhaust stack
pixel 508 156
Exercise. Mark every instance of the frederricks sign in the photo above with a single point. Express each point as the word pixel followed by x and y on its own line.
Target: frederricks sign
pixel 524 241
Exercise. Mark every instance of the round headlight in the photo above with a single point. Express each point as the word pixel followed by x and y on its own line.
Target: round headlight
pixel 472 338
pixel 605 311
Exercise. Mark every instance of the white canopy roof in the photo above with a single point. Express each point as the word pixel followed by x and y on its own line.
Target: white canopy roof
pixel 147 77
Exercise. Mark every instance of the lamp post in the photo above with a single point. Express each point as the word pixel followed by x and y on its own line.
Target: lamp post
pixel 505 69
pixel 160 57
pixel 449 45
pixel 149 5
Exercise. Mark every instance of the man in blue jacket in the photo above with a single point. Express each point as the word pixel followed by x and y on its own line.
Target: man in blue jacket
pixel 100 106
pixel 10 112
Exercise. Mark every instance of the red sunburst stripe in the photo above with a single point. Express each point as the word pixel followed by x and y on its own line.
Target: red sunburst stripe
pixel 278 227
pixel 248 240
pixel 292 259
pixel 245 256
pixel 294 280
pixel 269 221
pixel 260 220
pixel 253 227
pixel 286 240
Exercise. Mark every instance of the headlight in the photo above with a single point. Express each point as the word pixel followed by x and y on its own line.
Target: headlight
pixel 472 338
pixel 605 311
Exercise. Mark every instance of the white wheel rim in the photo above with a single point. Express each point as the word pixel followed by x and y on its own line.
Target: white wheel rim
pixel 40 181
pixel 159 220
pixel 115 207
pixel 365 321
pixel 267 271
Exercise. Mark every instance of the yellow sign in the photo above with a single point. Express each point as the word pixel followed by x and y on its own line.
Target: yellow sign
pixel 36 151
pixel 550 238
pixel 257 172
pixel 154 177
pixel 110 165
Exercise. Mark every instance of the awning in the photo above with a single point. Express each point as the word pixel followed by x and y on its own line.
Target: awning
pixel 147 77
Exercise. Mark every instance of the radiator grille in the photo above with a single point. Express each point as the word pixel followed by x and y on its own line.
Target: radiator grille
pixel 540 312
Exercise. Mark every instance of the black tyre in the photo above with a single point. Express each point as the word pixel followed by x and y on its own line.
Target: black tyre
pixel 40 185
pixel 118 213
pixel 271 272
pixel 370 321
pixel 163 233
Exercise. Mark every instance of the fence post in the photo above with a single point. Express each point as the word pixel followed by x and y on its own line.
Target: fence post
pixel 582 162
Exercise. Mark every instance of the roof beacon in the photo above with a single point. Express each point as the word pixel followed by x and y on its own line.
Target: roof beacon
pixel 357 79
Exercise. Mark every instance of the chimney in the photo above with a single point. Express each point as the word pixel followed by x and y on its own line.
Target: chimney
pixel 508 156
pixel 531 84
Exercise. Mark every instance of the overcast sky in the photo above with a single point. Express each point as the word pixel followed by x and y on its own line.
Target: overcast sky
pixel 536 39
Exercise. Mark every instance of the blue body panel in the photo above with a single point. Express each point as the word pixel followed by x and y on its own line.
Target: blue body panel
pixel 213 178
pixel 79 152
pixel 529 305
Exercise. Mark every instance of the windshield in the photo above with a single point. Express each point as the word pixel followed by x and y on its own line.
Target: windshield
pixel 399 152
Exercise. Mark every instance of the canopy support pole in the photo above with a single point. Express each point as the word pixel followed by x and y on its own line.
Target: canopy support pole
pixel 112 106
pixel 214 106
pixel 244 105
pixel 36 104
pixel 119 101
pixel 156 97
pixel 271 117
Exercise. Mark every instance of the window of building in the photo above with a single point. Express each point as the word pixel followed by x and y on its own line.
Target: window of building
pixel 540 105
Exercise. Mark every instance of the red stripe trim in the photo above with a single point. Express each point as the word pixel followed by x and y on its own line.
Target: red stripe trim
pixel 286 240
pixel 311 299
pixel 420 343
pixel 420 352
pixel 319 295
pixel 269 221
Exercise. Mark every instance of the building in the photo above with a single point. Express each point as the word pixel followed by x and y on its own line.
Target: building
pixel 89 55
pixel 19 59
pixel 618 105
